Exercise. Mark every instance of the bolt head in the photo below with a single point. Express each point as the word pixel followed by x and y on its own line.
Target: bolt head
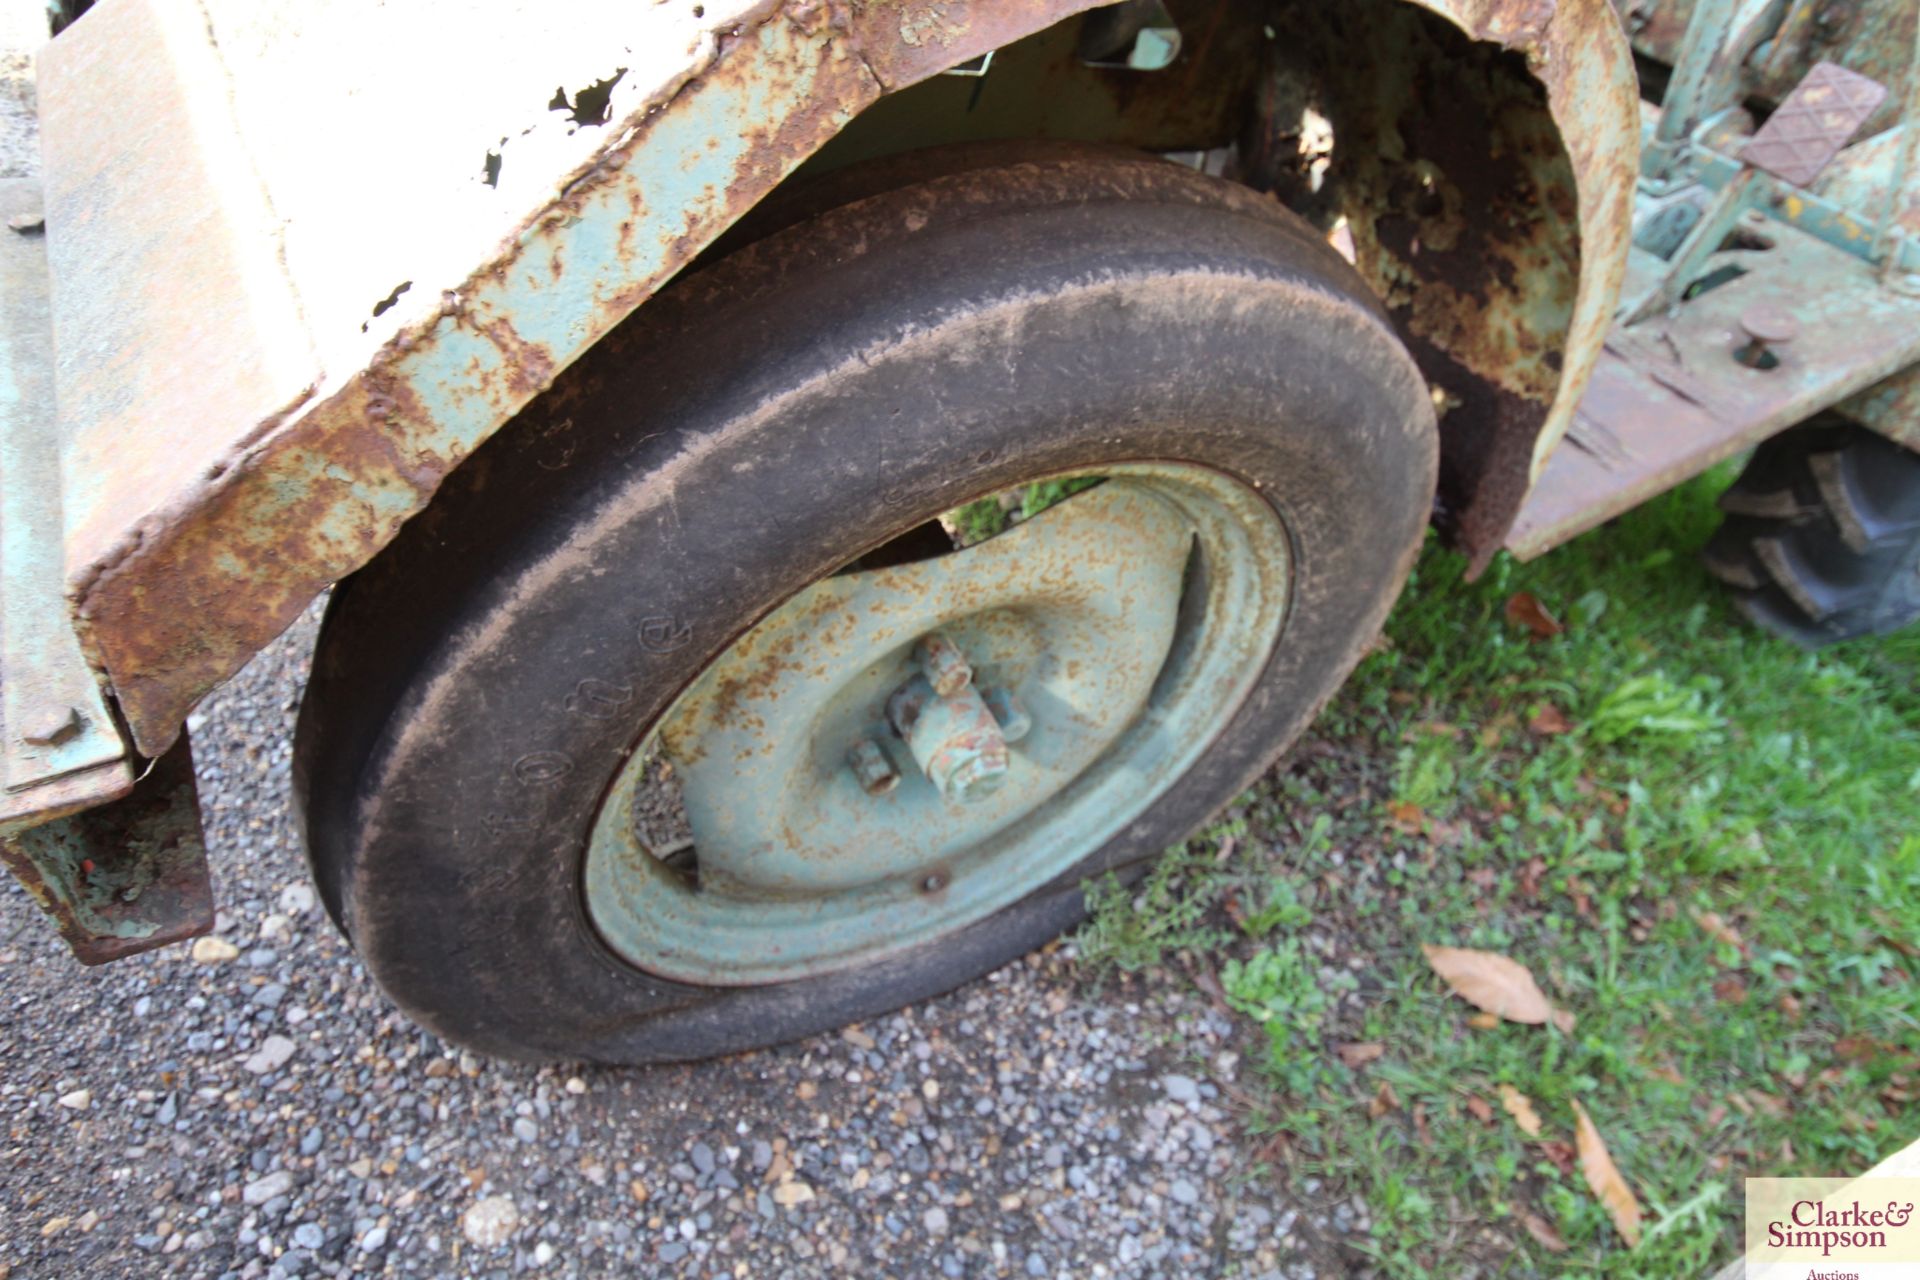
pixel 975 778
pixel 871 768
pixel 933 882
pixel 943 664
pixel 1765 323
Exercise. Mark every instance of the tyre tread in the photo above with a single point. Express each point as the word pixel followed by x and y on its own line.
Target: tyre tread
pixel 1821 541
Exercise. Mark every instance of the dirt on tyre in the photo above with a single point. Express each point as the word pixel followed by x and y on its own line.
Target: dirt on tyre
pixel 717 541
pixel 1821 540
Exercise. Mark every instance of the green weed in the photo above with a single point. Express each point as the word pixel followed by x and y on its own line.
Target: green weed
pixel 1701 841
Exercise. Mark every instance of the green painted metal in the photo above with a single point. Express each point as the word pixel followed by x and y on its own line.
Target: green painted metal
pixel 1850 229
pixel 120 867
pixel 1130 621
pixel 127 876
pixel 1825 270
pixel 61 745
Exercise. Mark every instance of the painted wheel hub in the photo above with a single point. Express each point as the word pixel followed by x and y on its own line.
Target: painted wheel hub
pixel 896 753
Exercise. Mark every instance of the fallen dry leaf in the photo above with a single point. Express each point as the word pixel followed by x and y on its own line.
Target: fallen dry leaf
pixel 1531 872
pixel 1560 1153
pixel 1549 719
pixel 1484 1021
pixel 1384 1100
pixel 1496 984
pixel 1718 929
pixel 1525 610
pixel 1729 989
pixel 1598 1168
pixel 1856 1048
pixel 1359 1055
pixel 1542 1232
pixel 1405 817
pixel 1520 1107
pixel 1478 1107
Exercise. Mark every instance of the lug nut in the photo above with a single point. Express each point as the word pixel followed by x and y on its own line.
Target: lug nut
pixel 945 666
pixel 870 766
pixel 1008 710
pixel 51 726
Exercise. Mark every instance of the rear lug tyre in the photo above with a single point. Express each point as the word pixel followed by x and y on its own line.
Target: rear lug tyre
pixel 1821 542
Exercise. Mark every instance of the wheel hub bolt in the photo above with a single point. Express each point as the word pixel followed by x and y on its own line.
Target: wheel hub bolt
pixel 958 742
pixel 870 766
pixel 1008 710
pixel 943 664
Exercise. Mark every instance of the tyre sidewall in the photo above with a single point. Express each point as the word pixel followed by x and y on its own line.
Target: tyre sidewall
pixel 752 462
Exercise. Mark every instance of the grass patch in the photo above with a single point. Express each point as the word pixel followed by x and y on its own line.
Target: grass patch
pixel 1701 841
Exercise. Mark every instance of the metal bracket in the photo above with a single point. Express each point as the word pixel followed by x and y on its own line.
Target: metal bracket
pixel 59 746
pixel 131 875
pixel 126 877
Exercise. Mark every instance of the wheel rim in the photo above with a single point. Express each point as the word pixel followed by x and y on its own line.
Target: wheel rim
pixel 1130 621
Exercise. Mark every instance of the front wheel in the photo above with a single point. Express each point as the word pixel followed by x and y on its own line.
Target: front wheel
pixel 742 547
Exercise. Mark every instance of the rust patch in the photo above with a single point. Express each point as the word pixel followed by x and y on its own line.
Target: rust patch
pixel 189 596
pixel 126 877
pixel 1472 213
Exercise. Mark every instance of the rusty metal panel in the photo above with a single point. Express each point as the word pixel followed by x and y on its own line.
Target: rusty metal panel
pixel 275 505
pixel 59 748
pixel 1803 136
pixel 520 241
pixel 126 877
pixel 175 327
pixel 1489 189
pixel 1891 408
pixel 1674 396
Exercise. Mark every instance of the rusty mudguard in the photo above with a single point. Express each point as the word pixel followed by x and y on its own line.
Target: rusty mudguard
pixel 276 330
pixel 223 473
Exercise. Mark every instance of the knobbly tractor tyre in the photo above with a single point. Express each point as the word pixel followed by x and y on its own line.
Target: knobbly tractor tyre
pixel 1821 539
pixel 713 555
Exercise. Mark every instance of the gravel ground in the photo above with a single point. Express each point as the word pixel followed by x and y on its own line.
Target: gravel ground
pixel 255 1107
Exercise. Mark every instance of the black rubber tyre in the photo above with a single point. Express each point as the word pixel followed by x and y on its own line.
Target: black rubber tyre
pixel 1821 542
pixel 760 424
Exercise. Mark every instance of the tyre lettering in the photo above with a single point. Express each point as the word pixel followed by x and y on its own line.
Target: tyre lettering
pixel 500 825
pixel 598 699
pixel 537 768
pixel 663 633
